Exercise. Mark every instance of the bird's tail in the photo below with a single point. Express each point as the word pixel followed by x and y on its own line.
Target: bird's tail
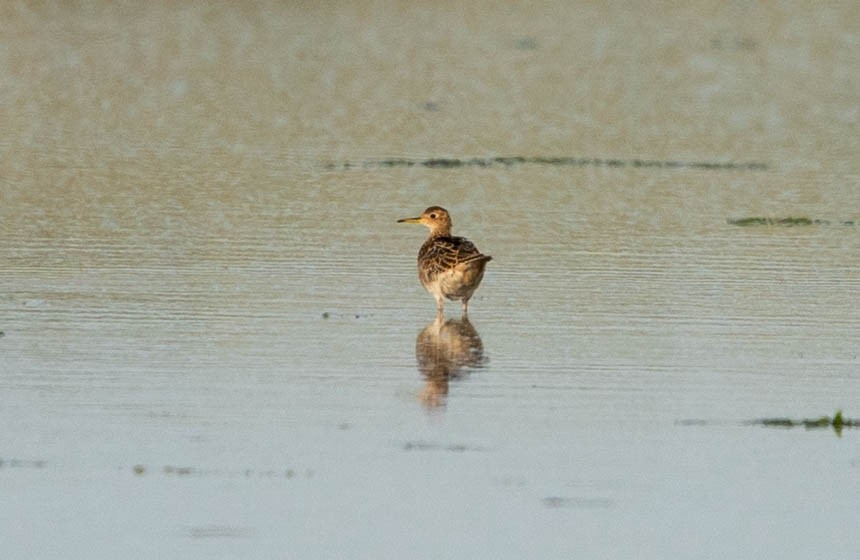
pixel 477 258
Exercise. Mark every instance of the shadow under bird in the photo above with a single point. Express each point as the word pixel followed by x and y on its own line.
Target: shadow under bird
pixel 448 267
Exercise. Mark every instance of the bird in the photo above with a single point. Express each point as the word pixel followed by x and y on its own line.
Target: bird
pixel 448 267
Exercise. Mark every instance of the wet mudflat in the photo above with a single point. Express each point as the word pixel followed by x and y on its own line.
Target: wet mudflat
pixel 215 344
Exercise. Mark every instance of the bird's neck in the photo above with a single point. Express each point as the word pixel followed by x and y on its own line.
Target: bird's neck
pixel 442 231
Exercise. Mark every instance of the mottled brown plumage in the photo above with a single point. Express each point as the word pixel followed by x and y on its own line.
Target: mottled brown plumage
pixel 448 267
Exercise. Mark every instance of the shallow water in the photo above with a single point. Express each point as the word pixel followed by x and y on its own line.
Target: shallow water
pixel 215 344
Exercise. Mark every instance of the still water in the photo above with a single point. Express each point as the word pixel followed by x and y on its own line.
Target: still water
pixel 214 340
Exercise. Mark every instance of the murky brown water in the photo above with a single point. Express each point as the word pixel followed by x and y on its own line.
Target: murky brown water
pixel 215 344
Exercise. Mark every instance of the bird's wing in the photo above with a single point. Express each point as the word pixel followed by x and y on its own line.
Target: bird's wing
pixel 444 253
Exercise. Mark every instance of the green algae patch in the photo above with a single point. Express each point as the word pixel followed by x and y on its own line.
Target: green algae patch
pixel 780 222
pixel 551 160
pixel 790 221
pixel 837 422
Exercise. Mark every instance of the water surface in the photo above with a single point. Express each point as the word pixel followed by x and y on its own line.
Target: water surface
pixel 215 344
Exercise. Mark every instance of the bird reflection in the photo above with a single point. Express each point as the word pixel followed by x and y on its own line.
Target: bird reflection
pixel 446 350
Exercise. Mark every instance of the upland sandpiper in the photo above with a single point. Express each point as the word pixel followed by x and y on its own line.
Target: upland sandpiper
pixel 448 267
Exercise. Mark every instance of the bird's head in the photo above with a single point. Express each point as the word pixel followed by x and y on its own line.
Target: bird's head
pixel 436 218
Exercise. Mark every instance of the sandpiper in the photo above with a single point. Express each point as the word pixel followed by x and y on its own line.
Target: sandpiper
pixel 448 267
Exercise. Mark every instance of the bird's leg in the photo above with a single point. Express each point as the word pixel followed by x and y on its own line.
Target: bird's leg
pixel 440 305
pixel 465 306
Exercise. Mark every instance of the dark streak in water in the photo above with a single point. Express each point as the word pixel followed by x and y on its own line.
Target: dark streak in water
pixel 739 43
pixel 220 531
pixel 783 222
pixel 526 44
pixel 838 422
pixel 563 502
pixel 332 314
pixel 170 470
pixel 22 463
pixel 691 422
pixel 425 446
pixel 510 161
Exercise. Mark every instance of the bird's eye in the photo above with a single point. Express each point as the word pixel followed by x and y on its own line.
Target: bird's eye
pixel 432 216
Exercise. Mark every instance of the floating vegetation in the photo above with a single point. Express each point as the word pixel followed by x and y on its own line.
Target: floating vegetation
pixel 333 315
pixel 510 161
pixel 784 222
pixel 837 422
pixel 180 471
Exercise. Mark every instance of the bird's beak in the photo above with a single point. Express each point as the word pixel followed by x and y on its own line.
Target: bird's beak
pixel 409 221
